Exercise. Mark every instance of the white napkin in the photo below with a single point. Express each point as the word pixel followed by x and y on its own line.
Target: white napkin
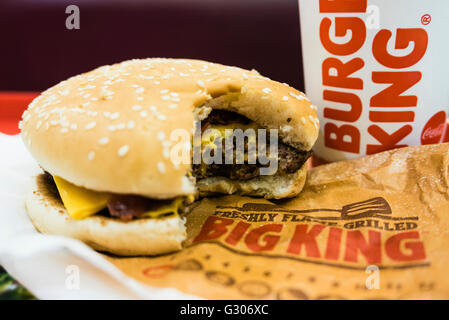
pixel 54 267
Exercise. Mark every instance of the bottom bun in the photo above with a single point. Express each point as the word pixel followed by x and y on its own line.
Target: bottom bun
pixel 132 238
pixel 275 186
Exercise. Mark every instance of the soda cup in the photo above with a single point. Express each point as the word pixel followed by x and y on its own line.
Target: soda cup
pixel 378 71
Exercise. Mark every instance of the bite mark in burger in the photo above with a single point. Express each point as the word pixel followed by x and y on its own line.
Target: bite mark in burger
pixel 105 139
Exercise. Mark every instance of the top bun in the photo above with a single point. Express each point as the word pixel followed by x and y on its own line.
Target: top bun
pixel 109 129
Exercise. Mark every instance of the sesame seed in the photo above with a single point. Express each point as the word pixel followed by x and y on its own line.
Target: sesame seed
pixel 166 97
pixel 92 113
pixel 114 116
pixel 157 82
pixel 166 153
pixel 285 98
pixel 74 126
pixel 39 123
pixel 137 108
pixel 123 150
pixel 131 124
pixel 153 108
pixel 161 135
pixel 174 94
pixel 161 117
pixel 120 126
pixel 64 130
pixel 146 77
pixel 91 155
pixel 111 127
pixel 143 114
pixel 173 106
pixel 297 96
pixel 103 141
pixel 90 125
pixel 140 90
pixel 164 91
pixel 161 167
pixel 201 83
pixel 139 98
pixel 266 90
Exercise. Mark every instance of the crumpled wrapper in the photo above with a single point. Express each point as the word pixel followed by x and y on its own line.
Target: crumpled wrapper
pixel 372 228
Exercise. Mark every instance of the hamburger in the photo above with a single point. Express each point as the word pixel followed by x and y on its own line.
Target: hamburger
pixel 106 141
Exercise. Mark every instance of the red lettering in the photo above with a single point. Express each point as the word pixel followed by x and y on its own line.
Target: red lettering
pixel 404 38
pixel 331 6
pixel 391 96
pixel 253 237
pixel 333 244
pixel 237 233
pixel 338 142
pixel 344 70
pixel 371 249
pixel 392 116
pixel 387 141
pixel 342 26
pixel 416 248
pixel 213 228
pixel 343 97
pixel 308 239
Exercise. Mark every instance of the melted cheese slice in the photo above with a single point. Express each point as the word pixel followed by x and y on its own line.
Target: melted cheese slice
pixel 81 203
pixel 219 131
pixel 172 207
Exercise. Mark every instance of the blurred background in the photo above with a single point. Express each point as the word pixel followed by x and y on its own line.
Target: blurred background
pixel 38 50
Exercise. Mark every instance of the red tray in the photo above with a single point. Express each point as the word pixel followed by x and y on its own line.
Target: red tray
pixel 12 105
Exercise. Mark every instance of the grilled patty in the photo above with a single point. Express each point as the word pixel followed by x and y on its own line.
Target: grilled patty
pixel 290 159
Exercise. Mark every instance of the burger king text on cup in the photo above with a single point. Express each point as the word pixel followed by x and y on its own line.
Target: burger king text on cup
pixel 376 88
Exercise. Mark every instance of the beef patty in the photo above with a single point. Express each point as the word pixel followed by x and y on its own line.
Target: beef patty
pixel 290 159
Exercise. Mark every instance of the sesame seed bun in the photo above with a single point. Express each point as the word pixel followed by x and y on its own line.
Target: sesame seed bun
pixel 109 129
pixel 270 186
pixel 132 238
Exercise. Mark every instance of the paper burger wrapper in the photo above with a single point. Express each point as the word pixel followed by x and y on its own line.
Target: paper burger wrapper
pixel 372 228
